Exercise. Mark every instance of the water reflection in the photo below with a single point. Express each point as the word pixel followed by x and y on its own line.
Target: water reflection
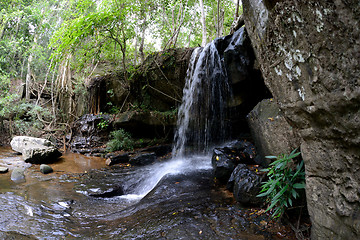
pixel 58 205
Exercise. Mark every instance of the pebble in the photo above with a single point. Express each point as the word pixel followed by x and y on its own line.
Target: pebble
pixel 4 169
pixel 18 175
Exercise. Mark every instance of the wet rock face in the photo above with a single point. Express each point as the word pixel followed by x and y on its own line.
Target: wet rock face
pixel 247 84
pixel 90 131
pixel 149 124
pixel 309 57
pixel 160 80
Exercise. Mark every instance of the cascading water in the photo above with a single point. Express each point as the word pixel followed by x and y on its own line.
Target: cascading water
pixel 202 114
pixel 201 120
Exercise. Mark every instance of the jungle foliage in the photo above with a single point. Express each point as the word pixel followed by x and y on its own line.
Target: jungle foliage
pixel 44 44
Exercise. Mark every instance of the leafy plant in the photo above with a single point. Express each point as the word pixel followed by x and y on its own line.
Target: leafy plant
pixel 121 140
pixel 103 124
pixel 283 183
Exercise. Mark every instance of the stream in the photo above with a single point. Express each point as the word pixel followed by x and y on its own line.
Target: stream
pixel 171 199
pixel 175 198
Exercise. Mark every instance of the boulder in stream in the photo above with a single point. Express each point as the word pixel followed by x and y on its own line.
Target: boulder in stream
pixel 222 164
pixel 35 150
pixel 225 159
pixel 112 158
pixel 245 185
pixel 142 159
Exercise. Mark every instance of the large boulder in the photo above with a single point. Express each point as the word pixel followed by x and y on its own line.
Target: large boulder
pixel 35 150
pixel 272 134
pixel 309 57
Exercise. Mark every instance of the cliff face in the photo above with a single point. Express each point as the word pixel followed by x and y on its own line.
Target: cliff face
pixel 309 53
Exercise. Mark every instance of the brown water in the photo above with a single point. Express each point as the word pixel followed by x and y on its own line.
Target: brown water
pixel 183 205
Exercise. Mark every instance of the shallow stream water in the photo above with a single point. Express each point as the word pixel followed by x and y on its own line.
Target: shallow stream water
pixel 174 199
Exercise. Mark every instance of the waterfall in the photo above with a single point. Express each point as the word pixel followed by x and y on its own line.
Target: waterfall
pixel 201 121
pixel 202 116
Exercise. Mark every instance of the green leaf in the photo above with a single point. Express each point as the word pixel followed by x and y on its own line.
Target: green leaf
pixel 299 185
pixel 290 202
pixel 294 193
pixel 272 205
pixel 279 194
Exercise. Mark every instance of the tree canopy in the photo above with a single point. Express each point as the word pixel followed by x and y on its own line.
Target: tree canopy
pixel 42 41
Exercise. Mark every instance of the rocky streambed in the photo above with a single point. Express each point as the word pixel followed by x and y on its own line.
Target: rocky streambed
pixel 68 203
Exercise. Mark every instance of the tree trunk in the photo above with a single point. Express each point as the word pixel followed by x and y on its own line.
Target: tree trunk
pixel 237 9
pixel 203 23
pixel 28 78
pixel 143 29
pixel 28 74
pixel 218 19
pixel 135 50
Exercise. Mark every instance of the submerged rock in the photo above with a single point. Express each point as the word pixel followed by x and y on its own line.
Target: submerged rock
pixel 45 169
pixel 245 185
pixel 112 159
pixel 108 193
pixel 18 175
pixel 159 150
pixel 4 169
pixel 142 159
pixel 35 150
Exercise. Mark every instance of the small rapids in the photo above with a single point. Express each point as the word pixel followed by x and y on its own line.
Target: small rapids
pixel 149 177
